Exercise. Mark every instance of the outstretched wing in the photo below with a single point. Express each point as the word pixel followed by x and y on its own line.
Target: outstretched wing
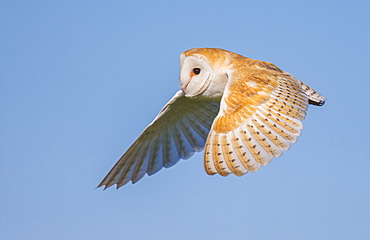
pixel 260 116
pixel 180 129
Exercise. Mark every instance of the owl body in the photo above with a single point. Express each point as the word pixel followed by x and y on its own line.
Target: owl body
pixel 242 111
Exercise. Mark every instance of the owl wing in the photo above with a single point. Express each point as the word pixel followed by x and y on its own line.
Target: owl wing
pixel 180 129
pixel 260 116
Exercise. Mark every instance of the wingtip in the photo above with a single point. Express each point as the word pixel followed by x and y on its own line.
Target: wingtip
pixel 101 185
pixel 105 185
pixel 317 103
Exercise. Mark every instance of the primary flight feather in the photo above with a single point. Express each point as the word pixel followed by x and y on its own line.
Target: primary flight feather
pixel 242 111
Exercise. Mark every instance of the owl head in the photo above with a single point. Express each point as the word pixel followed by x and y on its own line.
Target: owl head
pixel 204 72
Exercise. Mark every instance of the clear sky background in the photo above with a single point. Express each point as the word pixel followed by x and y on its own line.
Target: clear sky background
pixel 80 80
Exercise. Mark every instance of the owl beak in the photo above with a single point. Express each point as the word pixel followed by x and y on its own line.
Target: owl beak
pixel 192 89
pixel 184 86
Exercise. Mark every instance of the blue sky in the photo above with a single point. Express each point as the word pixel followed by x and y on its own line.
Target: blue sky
pixel 80 80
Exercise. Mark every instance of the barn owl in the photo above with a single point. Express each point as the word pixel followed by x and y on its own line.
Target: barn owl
pixel 242 112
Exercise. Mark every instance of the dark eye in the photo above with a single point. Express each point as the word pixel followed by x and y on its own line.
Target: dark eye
pixel 196 71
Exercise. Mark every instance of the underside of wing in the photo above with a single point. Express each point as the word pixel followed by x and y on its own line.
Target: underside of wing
pixel 260 116
pixel 179 130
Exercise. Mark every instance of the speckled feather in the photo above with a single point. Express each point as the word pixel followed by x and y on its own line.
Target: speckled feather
pixel 263 107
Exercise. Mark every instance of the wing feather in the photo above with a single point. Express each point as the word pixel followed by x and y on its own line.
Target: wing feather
pixel 234 163
pixel 275 138
pixel 242 155
pixel 250 157
pixel 208 159
pixel 198 128
pixel 124 174
pixel 141 168
pixel 169 157
pixel 179 130
pixel 260 117
pixel 187 141
pixel 156 156
pixel 314 97
pixel 141 165
pixel 220 161
pixel 179 143
pixel 190 131
pixel 264 141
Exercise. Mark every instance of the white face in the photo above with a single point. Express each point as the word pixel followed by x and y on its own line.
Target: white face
pixel 195 75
